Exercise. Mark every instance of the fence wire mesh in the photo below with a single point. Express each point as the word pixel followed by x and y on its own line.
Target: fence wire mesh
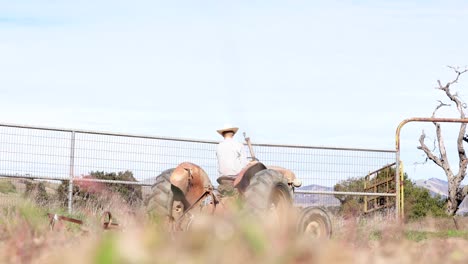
pixel 59 154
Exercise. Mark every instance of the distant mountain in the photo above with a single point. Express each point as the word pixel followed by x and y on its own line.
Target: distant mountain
pixel 435 186
pixel 315 199
pixel 440 187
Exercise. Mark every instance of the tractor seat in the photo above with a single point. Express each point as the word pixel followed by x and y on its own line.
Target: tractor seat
pixel 247 173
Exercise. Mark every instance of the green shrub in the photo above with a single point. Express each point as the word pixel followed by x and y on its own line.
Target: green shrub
pixel 419 203
pixel 350 204
pixel 99 193
pixel 7 187
pixel 37 192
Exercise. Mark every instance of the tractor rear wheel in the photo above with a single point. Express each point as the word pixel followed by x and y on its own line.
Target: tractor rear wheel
pixel 268 189
pixel 166 202
pixel 161 198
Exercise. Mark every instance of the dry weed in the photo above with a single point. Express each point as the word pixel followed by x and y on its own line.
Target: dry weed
pixel 228 238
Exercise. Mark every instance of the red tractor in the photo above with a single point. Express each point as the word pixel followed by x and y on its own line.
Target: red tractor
pixel 181 193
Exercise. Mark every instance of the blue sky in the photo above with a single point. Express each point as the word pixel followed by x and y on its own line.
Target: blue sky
pixel 330 73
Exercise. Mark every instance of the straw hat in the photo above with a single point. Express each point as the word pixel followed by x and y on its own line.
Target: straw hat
pixel 226 128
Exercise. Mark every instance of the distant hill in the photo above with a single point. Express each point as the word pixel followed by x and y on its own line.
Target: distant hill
pixel 440 187
pixel 434 185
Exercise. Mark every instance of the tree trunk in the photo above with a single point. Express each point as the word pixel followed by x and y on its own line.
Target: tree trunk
pixel 452 202
pixel 456 195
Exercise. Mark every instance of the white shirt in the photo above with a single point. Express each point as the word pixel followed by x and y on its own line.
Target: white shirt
pixel 231 157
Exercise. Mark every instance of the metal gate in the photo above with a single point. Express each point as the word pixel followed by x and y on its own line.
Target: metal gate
pixel 57 154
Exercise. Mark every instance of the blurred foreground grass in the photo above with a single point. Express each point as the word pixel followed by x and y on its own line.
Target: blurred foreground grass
pixel 25 237
pixel 6 187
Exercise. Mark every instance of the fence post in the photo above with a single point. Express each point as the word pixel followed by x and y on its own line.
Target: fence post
pixel 402 191
pixel 397 183
pixel 72 171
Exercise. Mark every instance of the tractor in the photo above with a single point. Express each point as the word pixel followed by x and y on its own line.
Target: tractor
pixel 180 193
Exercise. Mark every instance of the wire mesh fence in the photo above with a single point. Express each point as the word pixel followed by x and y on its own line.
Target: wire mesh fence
pixel 54 154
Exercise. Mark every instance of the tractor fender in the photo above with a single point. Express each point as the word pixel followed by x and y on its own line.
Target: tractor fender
pixel 191 180
pixel 288 174
pixel 243 178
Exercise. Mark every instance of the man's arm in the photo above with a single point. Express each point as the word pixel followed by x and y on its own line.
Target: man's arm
pixel 243 155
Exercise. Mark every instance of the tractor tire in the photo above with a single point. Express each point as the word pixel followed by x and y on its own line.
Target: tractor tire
pixel 315 222
pixel 267 189
pixel 161 198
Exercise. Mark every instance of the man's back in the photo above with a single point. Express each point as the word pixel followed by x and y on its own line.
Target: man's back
pixel 231 157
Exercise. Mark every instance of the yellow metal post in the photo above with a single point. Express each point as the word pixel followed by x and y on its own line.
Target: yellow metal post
pixel 402 191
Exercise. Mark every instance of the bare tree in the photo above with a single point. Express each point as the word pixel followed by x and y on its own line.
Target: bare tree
pixel 455 193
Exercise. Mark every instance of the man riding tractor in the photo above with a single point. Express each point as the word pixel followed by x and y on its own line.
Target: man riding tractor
pixel 181 193
pixel 231 160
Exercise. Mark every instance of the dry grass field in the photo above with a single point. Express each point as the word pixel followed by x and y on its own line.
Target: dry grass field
pixel 25 237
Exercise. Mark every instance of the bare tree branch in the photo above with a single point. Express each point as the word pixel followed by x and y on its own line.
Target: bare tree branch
pixel 462 172
pixel 441 104
pixel 461 133
pixel 458 72
pixel 454 97
pixel 428 152
pixel 440 140
pixel 426 158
